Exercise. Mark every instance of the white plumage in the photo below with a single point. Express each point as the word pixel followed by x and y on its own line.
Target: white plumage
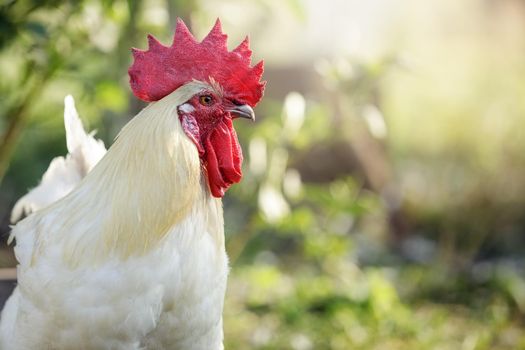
pixel 133 256
pixel 64 173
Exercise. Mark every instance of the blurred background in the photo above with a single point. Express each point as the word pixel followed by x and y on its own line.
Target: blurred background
pixel 383 199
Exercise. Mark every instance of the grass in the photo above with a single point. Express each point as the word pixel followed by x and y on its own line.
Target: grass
pixel 269 309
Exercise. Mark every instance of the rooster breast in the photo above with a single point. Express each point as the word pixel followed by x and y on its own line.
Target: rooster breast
pixel 170 298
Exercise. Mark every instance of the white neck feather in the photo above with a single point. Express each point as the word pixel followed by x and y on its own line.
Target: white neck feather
pixel 148 181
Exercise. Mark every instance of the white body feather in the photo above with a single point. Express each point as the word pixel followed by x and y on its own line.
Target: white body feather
pixel 63 173
pixel 133 257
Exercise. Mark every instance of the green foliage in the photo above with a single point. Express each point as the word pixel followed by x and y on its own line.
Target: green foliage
pixel 296 282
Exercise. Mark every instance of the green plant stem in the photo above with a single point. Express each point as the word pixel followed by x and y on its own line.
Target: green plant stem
pixel 18 117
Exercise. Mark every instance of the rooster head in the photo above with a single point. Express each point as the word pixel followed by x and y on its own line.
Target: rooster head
pixel 228 88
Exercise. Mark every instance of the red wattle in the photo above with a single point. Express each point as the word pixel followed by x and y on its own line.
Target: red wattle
pixel 223 158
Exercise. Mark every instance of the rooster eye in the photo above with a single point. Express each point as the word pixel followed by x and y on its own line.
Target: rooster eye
pixel 206 100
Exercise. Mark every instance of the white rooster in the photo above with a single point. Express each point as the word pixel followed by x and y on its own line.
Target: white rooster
pixel 133 256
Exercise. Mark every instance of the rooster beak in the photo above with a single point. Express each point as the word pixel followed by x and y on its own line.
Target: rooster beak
pixel 243 111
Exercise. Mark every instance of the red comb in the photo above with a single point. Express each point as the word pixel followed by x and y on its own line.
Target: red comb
pixel 160 70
